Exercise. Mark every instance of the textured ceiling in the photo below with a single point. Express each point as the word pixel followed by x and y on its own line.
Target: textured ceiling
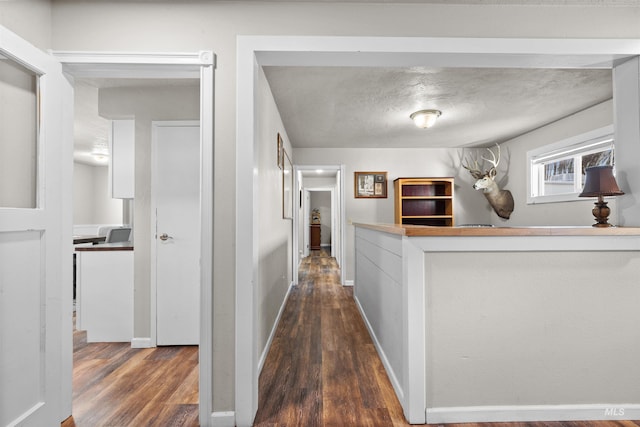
pixel 370 107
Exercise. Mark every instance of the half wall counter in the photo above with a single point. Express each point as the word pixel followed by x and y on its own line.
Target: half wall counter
pixel 497 324
pixel 104 291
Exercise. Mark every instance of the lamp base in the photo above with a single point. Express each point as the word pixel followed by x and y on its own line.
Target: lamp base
pixel 601 213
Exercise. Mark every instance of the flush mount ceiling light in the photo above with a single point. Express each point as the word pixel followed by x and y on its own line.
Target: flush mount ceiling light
pixel 100 154
pixel 425 118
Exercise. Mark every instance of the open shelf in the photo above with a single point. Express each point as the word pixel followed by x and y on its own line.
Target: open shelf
pixel 424 201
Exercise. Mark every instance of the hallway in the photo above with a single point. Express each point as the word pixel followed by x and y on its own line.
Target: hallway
pixel 322 369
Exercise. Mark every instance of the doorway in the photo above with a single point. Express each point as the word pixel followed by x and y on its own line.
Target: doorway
pixel 317 179
pixel 142 66
pixel 318 221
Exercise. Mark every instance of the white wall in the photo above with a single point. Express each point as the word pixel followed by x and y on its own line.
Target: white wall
pixel 192 25
pixel 30 19
pixel 531 335
pixel 92 203
pixel 567 213
pixel 275 233
pixel 146 104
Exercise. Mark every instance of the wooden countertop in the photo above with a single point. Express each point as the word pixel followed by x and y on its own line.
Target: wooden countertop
pixel 120 246
pixel 422 230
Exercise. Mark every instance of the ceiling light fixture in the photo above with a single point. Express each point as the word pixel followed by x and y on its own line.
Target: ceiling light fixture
pixel 425 118
pixel 100 154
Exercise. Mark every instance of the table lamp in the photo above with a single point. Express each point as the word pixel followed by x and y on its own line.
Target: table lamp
pixel 600 182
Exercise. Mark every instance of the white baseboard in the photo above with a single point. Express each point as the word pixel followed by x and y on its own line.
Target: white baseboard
pixel 223 419
pixel 141 343
pixel 385 361
pixel 265 351
pixel 532 413
pixel 348 283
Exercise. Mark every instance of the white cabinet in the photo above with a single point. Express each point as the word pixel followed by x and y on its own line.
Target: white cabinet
pixel 122 160
pixel 104 292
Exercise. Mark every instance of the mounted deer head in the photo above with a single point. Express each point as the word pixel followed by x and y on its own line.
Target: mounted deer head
pixel 500 200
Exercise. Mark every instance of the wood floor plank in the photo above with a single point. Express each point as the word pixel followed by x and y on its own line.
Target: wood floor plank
pixel 187 392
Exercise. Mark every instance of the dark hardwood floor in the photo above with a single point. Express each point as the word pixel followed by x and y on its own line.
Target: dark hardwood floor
pixel 323 370
pixel 115 385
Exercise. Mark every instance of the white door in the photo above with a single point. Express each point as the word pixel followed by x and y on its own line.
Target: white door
pixel 35 236
pixel 176 186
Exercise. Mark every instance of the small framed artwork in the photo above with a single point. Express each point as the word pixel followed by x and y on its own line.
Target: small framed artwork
pixel 370 185
pixel 287 186
pixel 280 156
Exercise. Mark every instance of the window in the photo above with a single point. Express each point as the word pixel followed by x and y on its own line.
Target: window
pixel 18 135
pixel 556 172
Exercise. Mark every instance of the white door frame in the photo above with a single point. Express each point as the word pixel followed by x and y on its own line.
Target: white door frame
pixel 256 51
pixel 199 65
pixel 154 218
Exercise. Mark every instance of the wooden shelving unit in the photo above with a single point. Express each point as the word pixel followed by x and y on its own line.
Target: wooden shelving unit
pixel 424 201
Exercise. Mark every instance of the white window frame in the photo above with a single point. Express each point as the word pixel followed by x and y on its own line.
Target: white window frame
pixel 578 145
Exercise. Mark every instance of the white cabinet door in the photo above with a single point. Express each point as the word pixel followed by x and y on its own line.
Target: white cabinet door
pixel 122 160
pixel 35 237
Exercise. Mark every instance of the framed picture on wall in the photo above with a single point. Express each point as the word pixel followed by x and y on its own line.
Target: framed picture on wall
pixel 370 185
pixel 280 155
pixel 287 186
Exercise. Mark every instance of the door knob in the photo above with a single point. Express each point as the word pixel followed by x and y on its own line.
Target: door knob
pixel 165 236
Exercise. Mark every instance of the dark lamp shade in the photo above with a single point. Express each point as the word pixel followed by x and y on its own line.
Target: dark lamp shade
pixel 600 182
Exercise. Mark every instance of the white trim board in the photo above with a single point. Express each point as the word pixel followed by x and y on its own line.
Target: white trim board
pixel 223 419
pixel 142 343
pixel 533 413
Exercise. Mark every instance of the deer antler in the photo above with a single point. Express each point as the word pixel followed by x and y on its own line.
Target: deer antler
pixel 495 161
pixel 474 169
